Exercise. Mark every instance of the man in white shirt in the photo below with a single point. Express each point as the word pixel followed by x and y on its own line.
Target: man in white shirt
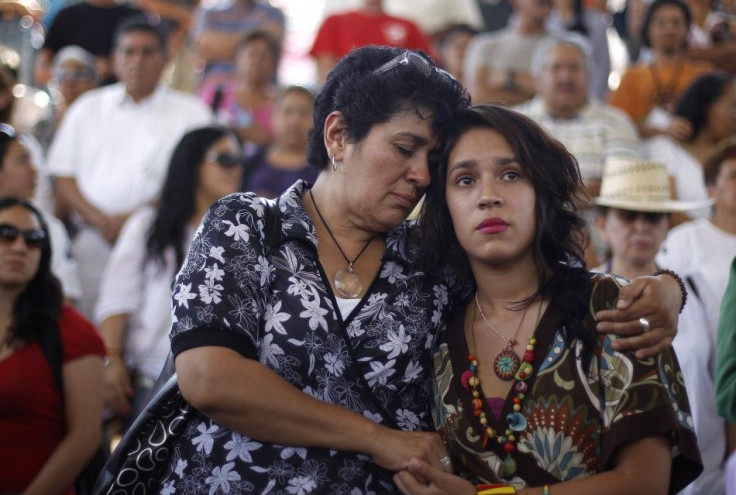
pixel 592 131
pixel 111 153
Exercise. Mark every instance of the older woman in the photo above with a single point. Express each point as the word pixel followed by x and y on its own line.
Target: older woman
pixel 528 394
pixel 305 361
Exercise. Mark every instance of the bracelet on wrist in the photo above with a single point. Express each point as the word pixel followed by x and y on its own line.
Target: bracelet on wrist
pixel 678 279
pixel 495 489
pixel 112 354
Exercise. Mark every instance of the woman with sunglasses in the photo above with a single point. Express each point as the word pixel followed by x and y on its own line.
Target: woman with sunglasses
pixel 46 436
pixel 305 361
pixel 19 178
pixel 133 309
pixel 560 409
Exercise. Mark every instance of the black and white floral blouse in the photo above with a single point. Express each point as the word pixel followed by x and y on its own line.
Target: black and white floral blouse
pixel 280 309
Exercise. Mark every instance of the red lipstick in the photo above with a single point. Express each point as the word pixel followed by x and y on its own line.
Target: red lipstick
pixel 492 226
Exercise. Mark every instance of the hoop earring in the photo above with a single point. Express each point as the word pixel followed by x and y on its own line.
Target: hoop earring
pixel 334 163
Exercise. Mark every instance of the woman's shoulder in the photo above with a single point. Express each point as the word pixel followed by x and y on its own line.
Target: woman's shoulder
pixel 78 336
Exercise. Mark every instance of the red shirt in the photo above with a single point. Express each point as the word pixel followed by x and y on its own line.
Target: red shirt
pixel 341 33
pixel 31 415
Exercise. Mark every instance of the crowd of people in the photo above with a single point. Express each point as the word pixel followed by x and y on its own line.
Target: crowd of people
pixel 519 335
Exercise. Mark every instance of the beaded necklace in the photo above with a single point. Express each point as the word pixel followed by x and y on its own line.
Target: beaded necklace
pixel 515 421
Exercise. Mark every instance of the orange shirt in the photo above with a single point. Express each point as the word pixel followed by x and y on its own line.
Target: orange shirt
pixel 640 89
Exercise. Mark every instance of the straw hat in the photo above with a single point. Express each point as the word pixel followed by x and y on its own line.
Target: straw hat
pixel 640 186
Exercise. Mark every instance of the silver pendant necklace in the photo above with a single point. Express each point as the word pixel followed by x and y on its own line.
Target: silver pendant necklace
pixel 348 284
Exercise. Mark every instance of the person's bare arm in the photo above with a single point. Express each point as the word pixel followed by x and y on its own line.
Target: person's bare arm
pixel 71 198
pixel 722 55
pixel 502 86
pixel 325 63
pixel 83 409
pixel 42 67
pixel 117 389
pixel 658 299
pixel 250 398
pixel 216 46
pixel 631 474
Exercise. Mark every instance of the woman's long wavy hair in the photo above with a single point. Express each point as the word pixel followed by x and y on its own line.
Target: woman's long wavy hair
pixel 37 308
pixel 177 203
pixel 559 234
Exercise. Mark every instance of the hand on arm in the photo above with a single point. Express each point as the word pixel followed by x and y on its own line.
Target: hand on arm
pixel 71 198
pixel 248 397
pixel 117 388
pixel 83 408
pixel 507 87
pixel 630 474
pixel 658 299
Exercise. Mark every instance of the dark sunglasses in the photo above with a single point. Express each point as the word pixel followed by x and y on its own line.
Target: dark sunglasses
pixel 225 160
pixel 33 238
pixel 411 59
pixel 649 216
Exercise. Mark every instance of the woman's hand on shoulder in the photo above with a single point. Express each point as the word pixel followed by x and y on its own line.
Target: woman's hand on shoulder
pixel 655 299
pixel 393 449
pixel 422 479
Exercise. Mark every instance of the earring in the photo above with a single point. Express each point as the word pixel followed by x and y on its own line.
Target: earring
pixel 334 163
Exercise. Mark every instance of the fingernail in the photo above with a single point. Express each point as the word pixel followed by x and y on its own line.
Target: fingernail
pixel 620 304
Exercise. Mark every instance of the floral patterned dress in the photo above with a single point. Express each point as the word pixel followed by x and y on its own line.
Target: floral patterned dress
pixel 278 307
pixel 576 420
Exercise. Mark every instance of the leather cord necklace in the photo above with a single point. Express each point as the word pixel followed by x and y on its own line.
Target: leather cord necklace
pixel 348 284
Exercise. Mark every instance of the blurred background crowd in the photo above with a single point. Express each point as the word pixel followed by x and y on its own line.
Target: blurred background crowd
pixel 123 121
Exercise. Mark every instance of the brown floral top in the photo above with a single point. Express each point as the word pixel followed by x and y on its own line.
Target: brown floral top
pixel 576 420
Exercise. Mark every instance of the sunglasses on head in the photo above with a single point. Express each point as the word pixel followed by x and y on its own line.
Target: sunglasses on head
pixel 80 74
pixel 34 238
pixel 225 160
pixel 649 216
pixel 7 131
pixel 411 59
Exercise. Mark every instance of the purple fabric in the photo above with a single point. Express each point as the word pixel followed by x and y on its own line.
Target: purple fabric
pixel 495 404
pixel 269 182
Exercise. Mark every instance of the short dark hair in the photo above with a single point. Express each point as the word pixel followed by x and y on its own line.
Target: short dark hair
pixel 365 98
pixel 274 45
pixel 37 308
pixel 177 203
pixel 714 163
pixel 142 22
pixel 653 8
pixel 696 101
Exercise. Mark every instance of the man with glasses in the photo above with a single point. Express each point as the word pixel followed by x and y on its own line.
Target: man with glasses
pixel 111 152
pixel 73 74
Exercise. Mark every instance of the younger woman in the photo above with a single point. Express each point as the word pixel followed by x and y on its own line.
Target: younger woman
pixel 46 437
pixel 527 392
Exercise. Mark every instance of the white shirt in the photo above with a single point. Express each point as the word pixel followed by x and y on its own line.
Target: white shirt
pixel 63 263
pixel 119 150
pixel 142 290
pixel 598 132
pixel 683 167
pixel 701 250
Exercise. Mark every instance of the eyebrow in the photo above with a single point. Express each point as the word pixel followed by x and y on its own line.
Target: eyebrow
pixel 498 162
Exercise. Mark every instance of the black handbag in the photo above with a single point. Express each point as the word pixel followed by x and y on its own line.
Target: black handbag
pixel 136 464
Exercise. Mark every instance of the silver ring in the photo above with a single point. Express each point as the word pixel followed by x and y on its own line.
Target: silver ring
pixel 445 461
pixel 644 324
